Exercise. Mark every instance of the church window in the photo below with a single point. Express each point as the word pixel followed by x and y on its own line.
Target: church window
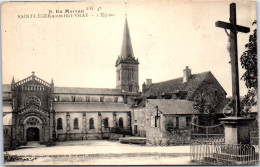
pixel 76 123
pixel 118 75
pixel 6 131
pixel 130 88
pixel 91 123
pixel 106 123
pixel 32 100
pixel 57 98
pixel 32 121
pixel 115 99
pixel 87 98
pixel 101 99
pixel 121 123
pixel 129 74
pixel 59 124
pixel 73 98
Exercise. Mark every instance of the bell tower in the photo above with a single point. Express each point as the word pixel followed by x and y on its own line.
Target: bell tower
pixel 127 77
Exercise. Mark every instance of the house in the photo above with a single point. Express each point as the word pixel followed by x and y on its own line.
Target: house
pixel 164 121
pixel 193 98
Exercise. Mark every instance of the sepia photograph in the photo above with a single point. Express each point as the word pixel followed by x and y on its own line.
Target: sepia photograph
pixel 151 82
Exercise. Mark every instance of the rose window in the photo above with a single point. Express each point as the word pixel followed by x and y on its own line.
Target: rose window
pixel 33 100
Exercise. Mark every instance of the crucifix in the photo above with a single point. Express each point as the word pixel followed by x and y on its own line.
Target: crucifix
pixel 234 29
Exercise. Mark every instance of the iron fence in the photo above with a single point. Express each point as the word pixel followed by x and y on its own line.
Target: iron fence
pixel 218 153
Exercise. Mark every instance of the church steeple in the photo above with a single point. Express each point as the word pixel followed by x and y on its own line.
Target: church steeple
pixel 127 49
pixel 127 65
pixel 13 81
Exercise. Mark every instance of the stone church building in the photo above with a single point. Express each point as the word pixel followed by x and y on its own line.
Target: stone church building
pixel 35 110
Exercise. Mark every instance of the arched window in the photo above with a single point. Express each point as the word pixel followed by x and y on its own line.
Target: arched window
pixel 76 123
pixel 91 123
pixel 6 131
pixel 121 123
pixel 106 123
pixel 118 74
pixel 130 88
pixel 59 123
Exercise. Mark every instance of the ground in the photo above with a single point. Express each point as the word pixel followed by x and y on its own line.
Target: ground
pixel 101 152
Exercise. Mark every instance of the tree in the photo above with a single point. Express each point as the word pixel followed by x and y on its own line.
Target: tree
pixel 203 105
pixel 249 61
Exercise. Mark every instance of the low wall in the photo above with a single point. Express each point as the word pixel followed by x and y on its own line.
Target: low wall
pixel 78 136
pixel 90 136
pixel 156 136
pixel 7 137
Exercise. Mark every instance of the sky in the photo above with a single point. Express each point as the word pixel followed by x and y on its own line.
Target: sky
pixel 166 37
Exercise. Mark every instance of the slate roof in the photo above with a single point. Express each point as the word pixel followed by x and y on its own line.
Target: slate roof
pixel 175 85
pixel 93 91
pixel 78 107
pixel 172 106
pixel 75 90
pixel 6 88
pixel 127 49
pixel 7 107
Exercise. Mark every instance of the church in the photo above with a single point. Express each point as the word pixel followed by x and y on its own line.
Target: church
pixel 36 110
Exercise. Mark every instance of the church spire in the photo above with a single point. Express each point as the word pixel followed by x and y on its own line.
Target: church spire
pixel 127 50
pixel 13 81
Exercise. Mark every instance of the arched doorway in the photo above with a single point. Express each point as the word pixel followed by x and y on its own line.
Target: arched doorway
pixel 32 134
pixel 33 129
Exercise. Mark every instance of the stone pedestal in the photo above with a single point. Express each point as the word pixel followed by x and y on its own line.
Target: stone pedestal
pixel 237 149
pixel 237 130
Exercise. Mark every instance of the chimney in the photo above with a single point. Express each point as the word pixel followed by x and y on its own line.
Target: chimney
pixel 144 87
pixel 148 83
pixel 186 74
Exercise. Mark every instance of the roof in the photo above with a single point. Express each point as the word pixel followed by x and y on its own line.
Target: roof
pixel 79 90
pixel 75 90
pixel 7 107
pixel 7 119
pixel 175 85
pixel 127 49
pixel 172 106
pixel 6 88
pixel 88 107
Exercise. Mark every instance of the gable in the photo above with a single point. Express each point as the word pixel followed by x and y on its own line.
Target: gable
pixel 31 82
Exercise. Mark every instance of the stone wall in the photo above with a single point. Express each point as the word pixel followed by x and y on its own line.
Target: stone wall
pixel 155 136
pixel 7 137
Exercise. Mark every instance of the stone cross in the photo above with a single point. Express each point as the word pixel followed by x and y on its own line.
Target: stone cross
pixel 234 29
